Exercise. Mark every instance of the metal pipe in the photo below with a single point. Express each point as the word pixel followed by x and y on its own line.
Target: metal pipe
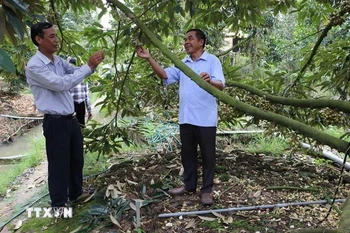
pixel 328 155
pixel 23 117
pixel 246 208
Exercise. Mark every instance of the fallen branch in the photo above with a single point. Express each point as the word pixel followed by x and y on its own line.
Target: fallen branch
pixel 292 188
pixel 330 201
pixel 317 230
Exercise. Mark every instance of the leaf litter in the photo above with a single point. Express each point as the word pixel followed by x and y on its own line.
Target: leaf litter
pixel 247 180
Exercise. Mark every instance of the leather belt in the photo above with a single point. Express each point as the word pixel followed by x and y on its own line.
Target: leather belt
pixel 52 116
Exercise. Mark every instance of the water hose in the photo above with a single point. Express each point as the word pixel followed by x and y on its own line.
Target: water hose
pixel 19 213
pixel 23 117
pixel 246 208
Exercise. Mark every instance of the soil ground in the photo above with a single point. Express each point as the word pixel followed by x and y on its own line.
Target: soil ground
pixel 242 179
pixel 15 105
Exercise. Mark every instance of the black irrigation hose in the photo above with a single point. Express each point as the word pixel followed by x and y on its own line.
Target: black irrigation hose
pixel 19 213
pixel 339 182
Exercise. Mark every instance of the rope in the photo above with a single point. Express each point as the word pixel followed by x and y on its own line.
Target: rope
pixel 166 132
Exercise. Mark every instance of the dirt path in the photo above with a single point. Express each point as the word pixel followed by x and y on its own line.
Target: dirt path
pixel 30 187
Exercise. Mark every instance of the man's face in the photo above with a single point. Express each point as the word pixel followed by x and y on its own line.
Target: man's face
pixel 49 42
pixel 192 43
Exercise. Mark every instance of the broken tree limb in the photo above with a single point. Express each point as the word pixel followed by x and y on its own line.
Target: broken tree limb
pixel 292 188
pixel 317 230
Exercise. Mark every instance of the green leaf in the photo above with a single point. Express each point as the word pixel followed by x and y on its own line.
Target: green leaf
pixel 2 25
pixel 6 62
pixel 15 22
pixel 20 5
pixel 171 11
pixel 177 8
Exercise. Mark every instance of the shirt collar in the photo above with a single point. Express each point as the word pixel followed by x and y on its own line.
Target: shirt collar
pixel 42 57
pixel 204 56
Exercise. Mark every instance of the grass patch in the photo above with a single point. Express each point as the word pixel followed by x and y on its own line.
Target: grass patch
pixel 336 131
pixel 35 156
pixel 234 226
pixel 94 163
pixel 267 144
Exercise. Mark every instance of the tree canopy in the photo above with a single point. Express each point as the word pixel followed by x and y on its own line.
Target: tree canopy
pixel 290 74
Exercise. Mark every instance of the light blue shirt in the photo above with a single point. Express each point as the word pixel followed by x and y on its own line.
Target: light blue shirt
pixel 50 82
pixel 197 107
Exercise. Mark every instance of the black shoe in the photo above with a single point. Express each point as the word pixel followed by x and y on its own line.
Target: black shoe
pixel 207 199
pixel 179 191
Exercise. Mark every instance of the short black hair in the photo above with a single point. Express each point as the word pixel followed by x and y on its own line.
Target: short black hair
pixel 199 34
pixel 38 30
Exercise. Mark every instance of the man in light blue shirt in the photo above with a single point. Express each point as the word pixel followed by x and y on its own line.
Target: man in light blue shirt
pixel 50 78
pixel 198 113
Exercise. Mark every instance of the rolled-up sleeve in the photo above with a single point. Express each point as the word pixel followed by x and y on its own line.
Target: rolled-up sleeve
pixel 173 75
pixel 216 70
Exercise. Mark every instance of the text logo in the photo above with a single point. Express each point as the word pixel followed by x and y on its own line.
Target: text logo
pixel 50 212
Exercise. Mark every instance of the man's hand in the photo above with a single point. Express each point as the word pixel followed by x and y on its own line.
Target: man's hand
pixel 205 76
pixel 96 59
pixel 141 52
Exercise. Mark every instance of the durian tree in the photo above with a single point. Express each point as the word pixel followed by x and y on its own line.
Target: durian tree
pixel 296 85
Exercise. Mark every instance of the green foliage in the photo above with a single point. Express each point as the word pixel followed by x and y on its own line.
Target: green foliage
pixel 94 164
pixel 281 35
pixel 322 162
pixel 336 131
pixel 234 226
pixel 5 62
pixel 268 144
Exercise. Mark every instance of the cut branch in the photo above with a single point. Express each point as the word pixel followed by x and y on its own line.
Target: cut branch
pixel 317 230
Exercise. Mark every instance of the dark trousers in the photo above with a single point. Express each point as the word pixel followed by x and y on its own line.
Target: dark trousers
pixel 80 112
pixel 64 149
pixel 191 136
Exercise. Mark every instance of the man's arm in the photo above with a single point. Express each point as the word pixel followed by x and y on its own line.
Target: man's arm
pixel 143 53
pixel 216 83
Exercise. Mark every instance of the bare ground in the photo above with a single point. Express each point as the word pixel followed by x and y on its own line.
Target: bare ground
pixel 15 105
